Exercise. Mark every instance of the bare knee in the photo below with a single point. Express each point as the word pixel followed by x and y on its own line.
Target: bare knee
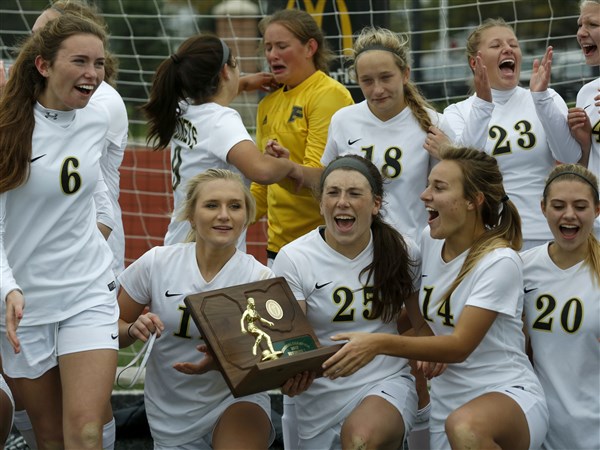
pixel 466 431
pixel 84 433
pixel 357 437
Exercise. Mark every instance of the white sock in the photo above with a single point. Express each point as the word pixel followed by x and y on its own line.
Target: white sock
pixel 23 424
pixel 418 438
pixel 289 424
pixel 109 433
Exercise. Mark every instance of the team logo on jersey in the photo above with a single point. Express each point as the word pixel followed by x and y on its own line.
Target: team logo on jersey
pixel 296 113
pixel 319 286
pixel 112 286
pixel 354 141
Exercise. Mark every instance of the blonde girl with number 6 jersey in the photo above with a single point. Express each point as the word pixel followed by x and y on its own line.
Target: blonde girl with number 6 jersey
pixel 562 309
pixel 189 110
pixel 390 127
pixel 189 405
pixel 58 297
pixel 471 300
pixel 525 130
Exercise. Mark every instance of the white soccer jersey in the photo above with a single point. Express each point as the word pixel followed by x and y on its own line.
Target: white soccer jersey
pixel 499 360
pixel 203 137
pixel 336 301
pixel 562 310
pixel 58 256
pixel 182 408
pixel 396 148
pixel 112 156
pixel 585 99
pixel 525 143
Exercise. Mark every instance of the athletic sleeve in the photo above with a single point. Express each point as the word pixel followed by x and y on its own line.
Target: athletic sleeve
pixel 104 210
pixel 259 192
pixel 323 106
pixel 415 255
pixel 331 147
pixel 470 125
pixel 498 285
pixel 7 280
pixel 552 112
pixel 136 278
pixel 284 267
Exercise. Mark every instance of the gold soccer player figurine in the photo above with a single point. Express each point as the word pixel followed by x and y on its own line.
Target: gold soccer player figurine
pixel 248 324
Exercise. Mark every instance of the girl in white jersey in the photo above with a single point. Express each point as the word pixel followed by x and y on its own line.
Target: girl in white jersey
pixel 584 118
pixel 188 109
pixel 58 303
pixel 526 131
pixel 353 274
pixel 471 299
pixel 562 309
pixel 186 411
pixel 390 127
pixel 395 128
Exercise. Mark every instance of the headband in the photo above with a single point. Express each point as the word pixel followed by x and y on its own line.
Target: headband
pixel 375 47
pixel 352 164
pixel 225 53
pixel 550 180
pixel 176 59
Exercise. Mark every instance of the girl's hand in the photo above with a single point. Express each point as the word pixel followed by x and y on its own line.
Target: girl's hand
pixel 15 304
pixel 206 364
pixel 481 82
pixel 430 369
pixel 435 141
pixel 540 76
pixel 275 149
pixel 580 125
pixel 261 81
pixel 355 354
pixel 144 326
pixel 298 384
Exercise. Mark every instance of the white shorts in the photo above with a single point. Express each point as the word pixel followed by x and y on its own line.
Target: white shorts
pixel 4 387
pixel 400 392
pixel 205 442
pixel 533 406
pixel 41 345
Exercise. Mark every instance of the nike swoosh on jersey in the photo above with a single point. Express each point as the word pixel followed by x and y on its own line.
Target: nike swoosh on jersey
pixel 169 294
pixel 113 337
pixel 354 141
pixel 527 291
pixel 37 157
pixel 389 395
pixel 319 286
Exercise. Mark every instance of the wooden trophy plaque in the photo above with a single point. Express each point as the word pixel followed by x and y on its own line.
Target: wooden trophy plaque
pixel 284 349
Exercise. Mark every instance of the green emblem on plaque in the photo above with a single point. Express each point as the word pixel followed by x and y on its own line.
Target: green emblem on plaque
pixel 296 345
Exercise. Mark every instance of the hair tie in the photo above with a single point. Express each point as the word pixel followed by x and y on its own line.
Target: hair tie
pixel 504 199
pixel 175 58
